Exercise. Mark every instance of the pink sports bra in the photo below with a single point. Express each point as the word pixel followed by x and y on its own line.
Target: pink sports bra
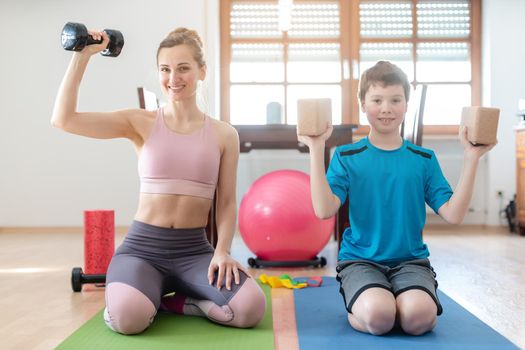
pixel 172 163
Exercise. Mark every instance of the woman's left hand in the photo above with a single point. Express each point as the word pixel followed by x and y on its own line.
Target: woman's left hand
pixel 227 268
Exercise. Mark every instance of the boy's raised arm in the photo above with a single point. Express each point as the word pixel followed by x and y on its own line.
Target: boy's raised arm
pixel 455 209
pixel 324 201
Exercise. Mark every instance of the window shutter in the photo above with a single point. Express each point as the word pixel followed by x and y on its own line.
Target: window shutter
pixel 385 19
pixel 443 19
pixel 315 19
pixel 251 19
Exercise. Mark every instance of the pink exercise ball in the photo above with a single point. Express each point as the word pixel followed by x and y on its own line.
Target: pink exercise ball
pixel 277 220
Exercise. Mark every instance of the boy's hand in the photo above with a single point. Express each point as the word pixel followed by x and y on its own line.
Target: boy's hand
pixel 316 141
pixel 471 151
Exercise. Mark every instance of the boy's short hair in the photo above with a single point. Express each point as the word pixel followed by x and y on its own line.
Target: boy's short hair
pixel 385 74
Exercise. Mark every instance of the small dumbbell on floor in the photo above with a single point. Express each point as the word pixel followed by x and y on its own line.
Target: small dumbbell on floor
pixel 75 37
pixel 78 278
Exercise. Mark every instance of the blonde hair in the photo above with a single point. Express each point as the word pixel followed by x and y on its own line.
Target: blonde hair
pixel 385 74
pixel 184 36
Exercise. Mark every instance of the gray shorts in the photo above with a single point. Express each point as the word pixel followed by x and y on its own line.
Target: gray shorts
pixel 356 276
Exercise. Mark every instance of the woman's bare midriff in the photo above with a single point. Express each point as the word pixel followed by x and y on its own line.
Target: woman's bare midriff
pixel 173 211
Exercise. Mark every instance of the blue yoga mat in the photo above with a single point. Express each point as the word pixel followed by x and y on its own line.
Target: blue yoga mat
pixel 322 324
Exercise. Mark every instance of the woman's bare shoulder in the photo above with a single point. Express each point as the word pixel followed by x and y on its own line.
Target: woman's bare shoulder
pixel 142 113
pixel 224 129
pixel 142 122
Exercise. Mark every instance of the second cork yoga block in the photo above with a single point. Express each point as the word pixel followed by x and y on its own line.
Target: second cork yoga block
pixel 481 123
pixel 313 115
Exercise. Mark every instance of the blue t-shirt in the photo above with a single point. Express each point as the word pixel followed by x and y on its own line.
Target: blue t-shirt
pixel 387 192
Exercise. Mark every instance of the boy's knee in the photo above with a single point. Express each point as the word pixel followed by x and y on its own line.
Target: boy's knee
pixel 375 311
pixel 417 322
pixel 378 320
pixel 417 312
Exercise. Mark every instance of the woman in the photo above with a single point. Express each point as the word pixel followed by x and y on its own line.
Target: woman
pixel 184 157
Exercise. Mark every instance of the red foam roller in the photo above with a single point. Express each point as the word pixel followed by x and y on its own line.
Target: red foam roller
pixel 99 240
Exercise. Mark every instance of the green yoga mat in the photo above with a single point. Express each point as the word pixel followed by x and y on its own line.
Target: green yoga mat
pixel 170 331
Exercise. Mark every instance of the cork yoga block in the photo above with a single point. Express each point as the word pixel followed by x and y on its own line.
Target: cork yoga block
pixel 481 123
pixel 313 115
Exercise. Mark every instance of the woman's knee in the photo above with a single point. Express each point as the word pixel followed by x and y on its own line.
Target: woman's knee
pixel 248 305
pixel 128 310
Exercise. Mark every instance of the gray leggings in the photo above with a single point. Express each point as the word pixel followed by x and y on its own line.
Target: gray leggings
pixel 157 261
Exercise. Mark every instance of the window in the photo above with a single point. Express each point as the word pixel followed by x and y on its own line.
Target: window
pixel 433 42
pixel 329 43
pixel 270 69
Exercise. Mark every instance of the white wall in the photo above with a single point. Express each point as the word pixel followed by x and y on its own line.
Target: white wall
pixel 48 177
pixel 504 73
pixel 450 156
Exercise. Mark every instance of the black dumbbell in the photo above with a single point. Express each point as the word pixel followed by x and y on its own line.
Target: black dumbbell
pixel 75 37
pixel 78 278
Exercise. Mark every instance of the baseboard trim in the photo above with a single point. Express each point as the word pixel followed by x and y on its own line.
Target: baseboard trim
pixel 124 229
pixel 464 228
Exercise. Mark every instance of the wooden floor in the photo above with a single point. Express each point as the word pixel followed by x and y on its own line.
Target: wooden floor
pixel 482 269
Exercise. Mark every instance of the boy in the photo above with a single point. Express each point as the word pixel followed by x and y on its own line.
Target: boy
pixel 383 266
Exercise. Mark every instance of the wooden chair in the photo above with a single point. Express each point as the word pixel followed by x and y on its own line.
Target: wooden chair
pixel 412 127
pixel 147 99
